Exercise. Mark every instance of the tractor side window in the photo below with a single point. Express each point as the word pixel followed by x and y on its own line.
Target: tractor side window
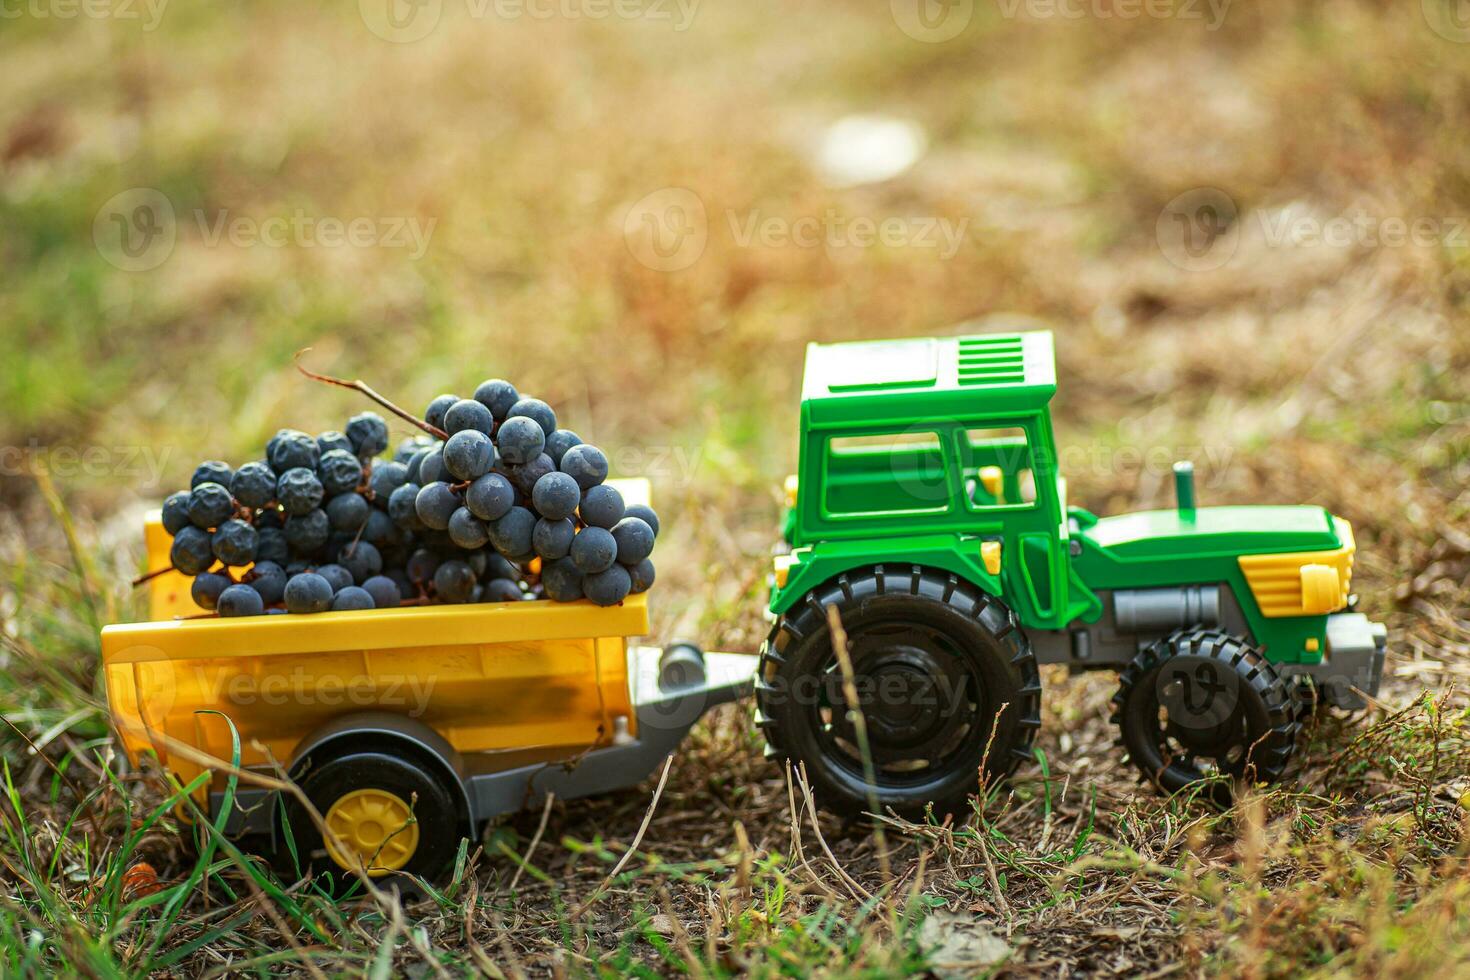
pixel 891 473
pixel 998 468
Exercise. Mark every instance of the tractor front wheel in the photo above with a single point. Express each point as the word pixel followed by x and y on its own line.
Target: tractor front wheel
pixel 944 678
pixel 1203 706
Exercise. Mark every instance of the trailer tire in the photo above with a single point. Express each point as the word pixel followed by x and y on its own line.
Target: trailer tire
pixel 389 808
pixel 945 675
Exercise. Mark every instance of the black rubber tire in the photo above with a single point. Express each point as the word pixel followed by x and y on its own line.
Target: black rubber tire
pixel 409 778
pixel 897 617
pixel 1241 715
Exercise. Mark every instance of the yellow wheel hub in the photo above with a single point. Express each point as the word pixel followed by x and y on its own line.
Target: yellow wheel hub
pixel 376 827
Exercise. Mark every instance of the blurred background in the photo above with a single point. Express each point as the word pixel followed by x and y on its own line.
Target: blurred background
pixel 1247 224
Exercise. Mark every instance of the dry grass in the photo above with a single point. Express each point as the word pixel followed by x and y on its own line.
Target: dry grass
pixel 1333 374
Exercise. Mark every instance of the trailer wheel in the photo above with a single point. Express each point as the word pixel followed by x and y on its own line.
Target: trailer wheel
pixel 390 812
pixel 1205 706
pixel 945 678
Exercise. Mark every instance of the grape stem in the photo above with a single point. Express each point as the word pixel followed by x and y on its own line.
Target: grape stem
pixel 152 575
pixel 364 388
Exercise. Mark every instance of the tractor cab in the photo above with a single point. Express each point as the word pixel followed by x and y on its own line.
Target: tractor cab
pixel 935 445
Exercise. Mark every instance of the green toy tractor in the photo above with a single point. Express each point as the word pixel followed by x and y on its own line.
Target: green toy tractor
pixel 929 513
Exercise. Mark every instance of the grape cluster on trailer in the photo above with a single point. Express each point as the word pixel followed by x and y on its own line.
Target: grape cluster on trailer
pixel 506 507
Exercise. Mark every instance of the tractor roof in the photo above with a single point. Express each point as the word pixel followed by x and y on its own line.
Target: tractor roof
pixel 902 381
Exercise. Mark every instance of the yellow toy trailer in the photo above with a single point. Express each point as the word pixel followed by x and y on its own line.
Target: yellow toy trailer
pixel 407 728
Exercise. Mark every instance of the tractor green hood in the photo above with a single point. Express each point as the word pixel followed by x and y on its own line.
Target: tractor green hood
pixel 1287 566
pixel 1215 531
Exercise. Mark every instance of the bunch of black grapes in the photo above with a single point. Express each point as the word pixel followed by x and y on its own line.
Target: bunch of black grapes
pixel 508 507
pixel 509 480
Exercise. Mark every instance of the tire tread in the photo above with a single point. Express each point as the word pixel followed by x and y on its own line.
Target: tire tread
pixel 809 616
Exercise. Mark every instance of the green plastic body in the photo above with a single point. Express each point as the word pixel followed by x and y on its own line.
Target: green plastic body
pixel 898 439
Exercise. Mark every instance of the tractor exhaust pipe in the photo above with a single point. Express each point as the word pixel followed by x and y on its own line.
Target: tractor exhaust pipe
pixel 1184 488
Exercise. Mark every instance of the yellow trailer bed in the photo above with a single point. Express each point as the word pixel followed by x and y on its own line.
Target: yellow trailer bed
pixel 498 703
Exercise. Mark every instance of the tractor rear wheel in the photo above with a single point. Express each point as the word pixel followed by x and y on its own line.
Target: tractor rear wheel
pixel 1202 704
pixel 944 677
